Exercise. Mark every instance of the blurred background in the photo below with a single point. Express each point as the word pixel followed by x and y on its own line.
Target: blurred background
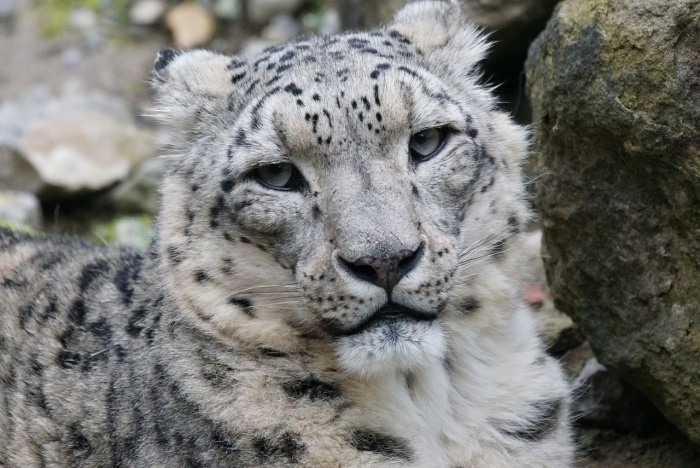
pixel 79 154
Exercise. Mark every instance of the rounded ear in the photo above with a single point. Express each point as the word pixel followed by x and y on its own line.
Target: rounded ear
pixel 188 82
pixel 429 24
pixel 437 28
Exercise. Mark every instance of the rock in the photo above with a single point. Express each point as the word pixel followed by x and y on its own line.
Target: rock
pixel 615 86
pixel 20 207
pixel 191 25
pixel 139 192
pixel 227 9
pixel 261 11
pixel 146 12
pixel 604 400
pixel 61 147
pixel 282 27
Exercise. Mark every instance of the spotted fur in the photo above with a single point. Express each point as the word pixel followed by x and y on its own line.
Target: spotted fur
pixel 368 316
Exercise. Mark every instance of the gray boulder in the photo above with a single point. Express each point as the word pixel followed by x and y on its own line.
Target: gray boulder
pixel 615 87
pixel 58 147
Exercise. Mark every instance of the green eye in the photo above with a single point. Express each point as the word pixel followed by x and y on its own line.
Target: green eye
pixel 282 176
pixel 426 143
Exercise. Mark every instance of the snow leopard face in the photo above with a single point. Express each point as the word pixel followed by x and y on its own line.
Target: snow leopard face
pixel 346 189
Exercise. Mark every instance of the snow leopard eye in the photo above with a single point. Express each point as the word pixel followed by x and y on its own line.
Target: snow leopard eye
pixel 283 176
pixel 427 143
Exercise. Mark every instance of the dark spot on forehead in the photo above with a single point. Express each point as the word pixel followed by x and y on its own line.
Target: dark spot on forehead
pixel 294 89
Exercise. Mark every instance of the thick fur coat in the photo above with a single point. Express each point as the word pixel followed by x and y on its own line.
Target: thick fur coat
pixel 334 281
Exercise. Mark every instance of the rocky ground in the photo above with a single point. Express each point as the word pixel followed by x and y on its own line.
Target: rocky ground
pixel 73 87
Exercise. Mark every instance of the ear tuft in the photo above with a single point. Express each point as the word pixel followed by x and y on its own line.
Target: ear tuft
pixel 429 24
pixel 164 57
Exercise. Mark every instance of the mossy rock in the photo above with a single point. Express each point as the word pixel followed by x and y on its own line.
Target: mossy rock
pixel 615 87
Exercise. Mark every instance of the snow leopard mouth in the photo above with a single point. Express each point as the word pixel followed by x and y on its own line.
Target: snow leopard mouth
pixel 389 313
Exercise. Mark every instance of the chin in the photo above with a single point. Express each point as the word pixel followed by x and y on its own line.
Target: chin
pixel 390 346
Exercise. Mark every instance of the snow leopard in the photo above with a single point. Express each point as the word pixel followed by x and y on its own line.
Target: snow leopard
pixel 334 280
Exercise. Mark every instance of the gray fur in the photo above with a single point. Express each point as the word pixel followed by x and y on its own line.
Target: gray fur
pixel 233 341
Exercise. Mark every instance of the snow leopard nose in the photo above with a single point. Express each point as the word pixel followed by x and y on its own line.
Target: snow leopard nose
pixel 384 272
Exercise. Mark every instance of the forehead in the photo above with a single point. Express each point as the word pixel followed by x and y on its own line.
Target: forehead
pixel 332 58
pixel 323 95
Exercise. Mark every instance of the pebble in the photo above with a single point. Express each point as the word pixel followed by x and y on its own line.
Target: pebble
pixel 20 207
pixel 71 57
pixel 262 11
pixel 146 12
pixel 191 25
pixel 330 22
pixel 83 19
pixel 133 231
pixel 282 27
pixel 8 9
pixel 227 9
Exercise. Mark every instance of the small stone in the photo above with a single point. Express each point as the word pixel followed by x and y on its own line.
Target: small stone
pixel 71 57
pixel 20 207
pixel 330 22
pixel 191 25
pixel 134 231
pixel 93 41
pixel 8 9
pixel 261 11
pixel 83 19
pixel 227 9
pixel 281 28
pixel 146 12
pixel 254 46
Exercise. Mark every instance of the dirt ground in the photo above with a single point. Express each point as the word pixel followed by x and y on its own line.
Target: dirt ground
pixel 122 66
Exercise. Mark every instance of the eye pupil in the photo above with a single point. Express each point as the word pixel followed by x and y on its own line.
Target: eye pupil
pixel 420 138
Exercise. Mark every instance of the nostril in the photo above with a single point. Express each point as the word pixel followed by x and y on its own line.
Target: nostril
pixel 362 271
pixel 409 262
pixel 383 272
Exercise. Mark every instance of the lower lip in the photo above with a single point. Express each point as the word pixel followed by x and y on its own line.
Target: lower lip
pixel 391 313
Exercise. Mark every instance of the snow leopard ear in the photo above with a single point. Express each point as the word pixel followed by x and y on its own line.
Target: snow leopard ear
pixel 186 83
pixel 437 27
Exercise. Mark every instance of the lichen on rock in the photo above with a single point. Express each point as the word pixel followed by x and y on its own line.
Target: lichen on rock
pixel 615 87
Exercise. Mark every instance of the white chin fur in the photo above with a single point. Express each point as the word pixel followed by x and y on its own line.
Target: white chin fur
pixel 390 347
